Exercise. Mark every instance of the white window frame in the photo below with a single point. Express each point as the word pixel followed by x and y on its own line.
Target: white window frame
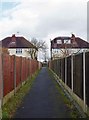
pixel 67 41
pixel 59 41
pixel 18 51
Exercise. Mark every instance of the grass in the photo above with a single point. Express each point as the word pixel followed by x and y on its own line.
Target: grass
pixel 74 113
pixel 14 102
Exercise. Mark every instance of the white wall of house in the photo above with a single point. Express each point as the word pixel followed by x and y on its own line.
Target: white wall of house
pixel 22 52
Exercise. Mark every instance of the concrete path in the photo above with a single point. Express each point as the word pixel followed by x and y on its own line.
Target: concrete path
pixel 43 100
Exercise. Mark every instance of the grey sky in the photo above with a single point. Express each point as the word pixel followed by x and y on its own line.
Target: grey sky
pixel 43 19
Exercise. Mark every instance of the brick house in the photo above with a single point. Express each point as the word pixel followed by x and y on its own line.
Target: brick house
pixel 19 46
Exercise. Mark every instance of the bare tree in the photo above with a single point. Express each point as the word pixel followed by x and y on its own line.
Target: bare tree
pixel 41 45
pixel 32 53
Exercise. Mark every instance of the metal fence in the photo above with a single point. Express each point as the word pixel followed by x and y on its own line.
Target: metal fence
pixel 74 72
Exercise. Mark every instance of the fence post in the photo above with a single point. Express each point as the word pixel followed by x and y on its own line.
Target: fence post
pixel 14 74
pixel 30 69
pixel 21 71
pixel 84 87
pixel 61 69
pixel 72 72
pixel 65 70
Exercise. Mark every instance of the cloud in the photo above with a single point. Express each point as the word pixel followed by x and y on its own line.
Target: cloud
pixel 45 18
pixel 63 17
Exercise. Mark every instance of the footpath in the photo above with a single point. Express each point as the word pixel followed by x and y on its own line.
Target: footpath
pixel 43 100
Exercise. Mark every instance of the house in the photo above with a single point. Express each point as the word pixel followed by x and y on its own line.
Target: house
pixel 19 46
pixel 64 46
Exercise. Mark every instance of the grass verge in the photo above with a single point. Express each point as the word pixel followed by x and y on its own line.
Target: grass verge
pixel 74 113
pixel 14 102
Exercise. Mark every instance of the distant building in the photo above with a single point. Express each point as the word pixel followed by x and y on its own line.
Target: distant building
pixel 64 46
pixel 19 46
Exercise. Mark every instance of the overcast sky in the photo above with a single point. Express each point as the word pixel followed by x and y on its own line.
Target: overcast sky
pixel 43 19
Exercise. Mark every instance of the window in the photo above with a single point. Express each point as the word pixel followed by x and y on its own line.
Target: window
pixel 18 51
pixel 67 41
pixel 59 41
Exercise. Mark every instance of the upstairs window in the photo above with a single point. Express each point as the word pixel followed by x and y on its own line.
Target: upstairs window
pixel 67 41
pixel 18 51
pixel 59 41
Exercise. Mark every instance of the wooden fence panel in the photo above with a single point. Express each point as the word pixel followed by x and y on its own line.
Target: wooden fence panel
pixel 69 71
pixel 78 75
pixel 8 73
pixel 24 67
pixel 87 77
pixel 63 69
pixel 18 71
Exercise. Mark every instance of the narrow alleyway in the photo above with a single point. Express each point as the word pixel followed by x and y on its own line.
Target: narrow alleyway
pixel 43 100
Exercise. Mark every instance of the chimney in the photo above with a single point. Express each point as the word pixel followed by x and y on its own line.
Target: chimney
pixel 73 35
pixel 73 38
pixel 13 39
pixel 73 41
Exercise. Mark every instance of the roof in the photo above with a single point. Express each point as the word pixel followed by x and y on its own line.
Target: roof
pixel 69 42
pixel 17 42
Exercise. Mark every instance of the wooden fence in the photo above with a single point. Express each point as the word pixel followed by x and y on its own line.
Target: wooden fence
pixel 14 71
pixel 73 72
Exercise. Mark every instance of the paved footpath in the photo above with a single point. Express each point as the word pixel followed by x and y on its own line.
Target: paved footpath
pixel 43 100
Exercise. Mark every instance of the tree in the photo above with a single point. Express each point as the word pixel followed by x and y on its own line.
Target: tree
pixel 32 53
pixel 41 45
pixel 4 50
